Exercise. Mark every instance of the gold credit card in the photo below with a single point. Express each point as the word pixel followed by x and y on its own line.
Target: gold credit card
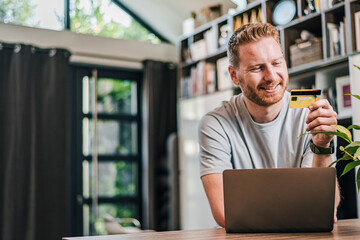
pixel 303 98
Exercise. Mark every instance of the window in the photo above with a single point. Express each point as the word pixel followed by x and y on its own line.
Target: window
pixel 47 14
pixel 117 125
pixel 105 18
pixel 95 17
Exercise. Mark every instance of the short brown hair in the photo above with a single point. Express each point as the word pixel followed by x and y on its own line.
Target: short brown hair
pixel 251 32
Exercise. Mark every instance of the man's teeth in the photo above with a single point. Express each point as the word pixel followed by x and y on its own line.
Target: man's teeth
pixel 270 87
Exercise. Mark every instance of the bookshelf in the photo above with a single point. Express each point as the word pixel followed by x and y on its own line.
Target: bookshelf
pixel 335 48
pixel 335 30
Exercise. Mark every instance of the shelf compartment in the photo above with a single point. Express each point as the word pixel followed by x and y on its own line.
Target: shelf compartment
pixel 312 49
pixel 184 51
pixel 210 58
pixel 253 13
pixel 335 7
pixel 308 7
pixel 355 27
pixel 304 20
pixel 294 71
pixel 305 81
pixel 224 30
pixel 335 32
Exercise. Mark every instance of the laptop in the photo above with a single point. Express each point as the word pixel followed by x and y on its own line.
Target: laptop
pixel 279 200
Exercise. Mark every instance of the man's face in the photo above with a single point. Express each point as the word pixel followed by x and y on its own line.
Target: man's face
pixel 262 72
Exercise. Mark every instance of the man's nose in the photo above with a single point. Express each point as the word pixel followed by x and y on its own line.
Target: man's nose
pixel 270 74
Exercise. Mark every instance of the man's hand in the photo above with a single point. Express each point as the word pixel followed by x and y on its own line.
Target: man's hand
pixel 320 118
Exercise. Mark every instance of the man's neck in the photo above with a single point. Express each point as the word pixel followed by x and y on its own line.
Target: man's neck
pixel 263 114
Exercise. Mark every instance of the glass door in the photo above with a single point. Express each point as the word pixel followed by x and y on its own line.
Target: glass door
pixel 107 163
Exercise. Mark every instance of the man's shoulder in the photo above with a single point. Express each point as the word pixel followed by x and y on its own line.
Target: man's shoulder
pixel 224 113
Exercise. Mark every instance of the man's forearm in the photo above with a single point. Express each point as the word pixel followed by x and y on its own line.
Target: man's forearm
pixel 321 160
pixel 325 161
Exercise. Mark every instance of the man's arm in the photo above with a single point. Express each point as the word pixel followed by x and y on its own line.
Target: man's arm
pixel 324 161
pixel 320 118
pixel 215 156
pixel 213 185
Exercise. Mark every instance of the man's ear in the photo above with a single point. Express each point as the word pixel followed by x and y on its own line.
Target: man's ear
pixel 233 75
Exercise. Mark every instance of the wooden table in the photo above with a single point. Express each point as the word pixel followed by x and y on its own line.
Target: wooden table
pixel 343 229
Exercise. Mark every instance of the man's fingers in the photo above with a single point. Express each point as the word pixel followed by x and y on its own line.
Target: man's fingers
pixel 322 124
pixel 322 103
pixel 321 112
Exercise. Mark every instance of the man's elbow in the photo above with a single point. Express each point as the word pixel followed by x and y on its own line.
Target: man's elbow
pixel 220 219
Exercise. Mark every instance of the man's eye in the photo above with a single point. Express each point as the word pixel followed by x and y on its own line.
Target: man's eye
pixel 277 63
pixel 254 69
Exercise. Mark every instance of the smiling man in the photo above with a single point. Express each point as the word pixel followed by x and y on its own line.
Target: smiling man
pixel 256 129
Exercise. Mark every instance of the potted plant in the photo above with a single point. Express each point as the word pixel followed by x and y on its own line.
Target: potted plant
pixel 351 152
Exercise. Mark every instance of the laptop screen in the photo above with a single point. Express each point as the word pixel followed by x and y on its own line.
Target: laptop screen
pixel 279 200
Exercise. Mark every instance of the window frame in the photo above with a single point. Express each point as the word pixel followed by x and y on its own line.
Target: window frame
pixel 77 200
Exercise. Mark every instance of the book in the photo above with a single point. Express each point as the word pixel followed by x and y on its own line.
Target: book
pixel 259 15
pixel 200 78
pixel 342 38
pixel 333 40
pixel 357 30
pixel 210 77
pixel 253 18
pixel 245 18
pixel 192 82
pixel 344 28
pixel 237 22
pixel 317 5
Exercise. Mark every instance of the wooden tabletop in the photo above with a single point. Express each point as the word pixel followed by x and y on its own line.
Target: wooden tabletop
pixel 343 229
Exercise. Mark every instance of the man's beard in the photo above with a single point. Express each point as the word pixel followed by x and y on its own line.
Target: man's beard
pixel 261 98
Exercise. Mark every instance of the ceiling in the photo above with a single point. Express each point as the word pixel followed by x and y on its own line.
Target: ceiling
pixel 166 16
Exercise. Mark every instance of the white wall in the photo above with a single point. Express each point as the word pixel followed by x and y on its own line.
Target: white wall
pixel 195 212
pixel 90 49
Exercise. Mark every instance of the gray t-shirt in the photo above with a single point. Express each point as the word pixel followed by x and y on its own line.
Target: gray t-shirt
pixel 229 138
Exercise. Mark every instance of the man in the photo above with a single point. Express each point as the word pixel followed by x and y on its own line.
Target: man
pixel 256 129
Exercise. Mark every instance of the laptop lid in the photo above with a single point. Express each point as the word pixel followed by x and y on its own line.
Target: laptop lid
pixel 279 200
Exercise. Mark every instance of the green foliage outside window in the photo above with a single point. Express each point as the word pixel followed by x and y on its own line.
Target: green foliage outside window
pixel 117 178
pixel 115 96
pixel 125 184
pixel 92 21
pixel 18 12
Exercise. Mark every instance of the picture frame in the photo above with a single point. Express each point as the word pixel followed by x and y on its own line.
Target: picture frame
pixel 223 76
pixel 343 101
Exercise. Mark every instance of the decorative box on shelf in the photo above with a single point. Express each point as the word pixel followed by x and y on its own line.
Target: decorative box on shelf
pixel 306 52
pixel 198 50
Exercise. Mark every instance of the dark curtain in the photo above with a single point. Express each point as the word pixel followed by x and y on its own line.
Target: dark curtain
pixel 160 97
pixel 34 144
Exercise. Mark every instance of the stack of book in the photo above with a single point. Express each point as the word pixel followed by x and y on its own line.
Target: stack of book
pixel 202 80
